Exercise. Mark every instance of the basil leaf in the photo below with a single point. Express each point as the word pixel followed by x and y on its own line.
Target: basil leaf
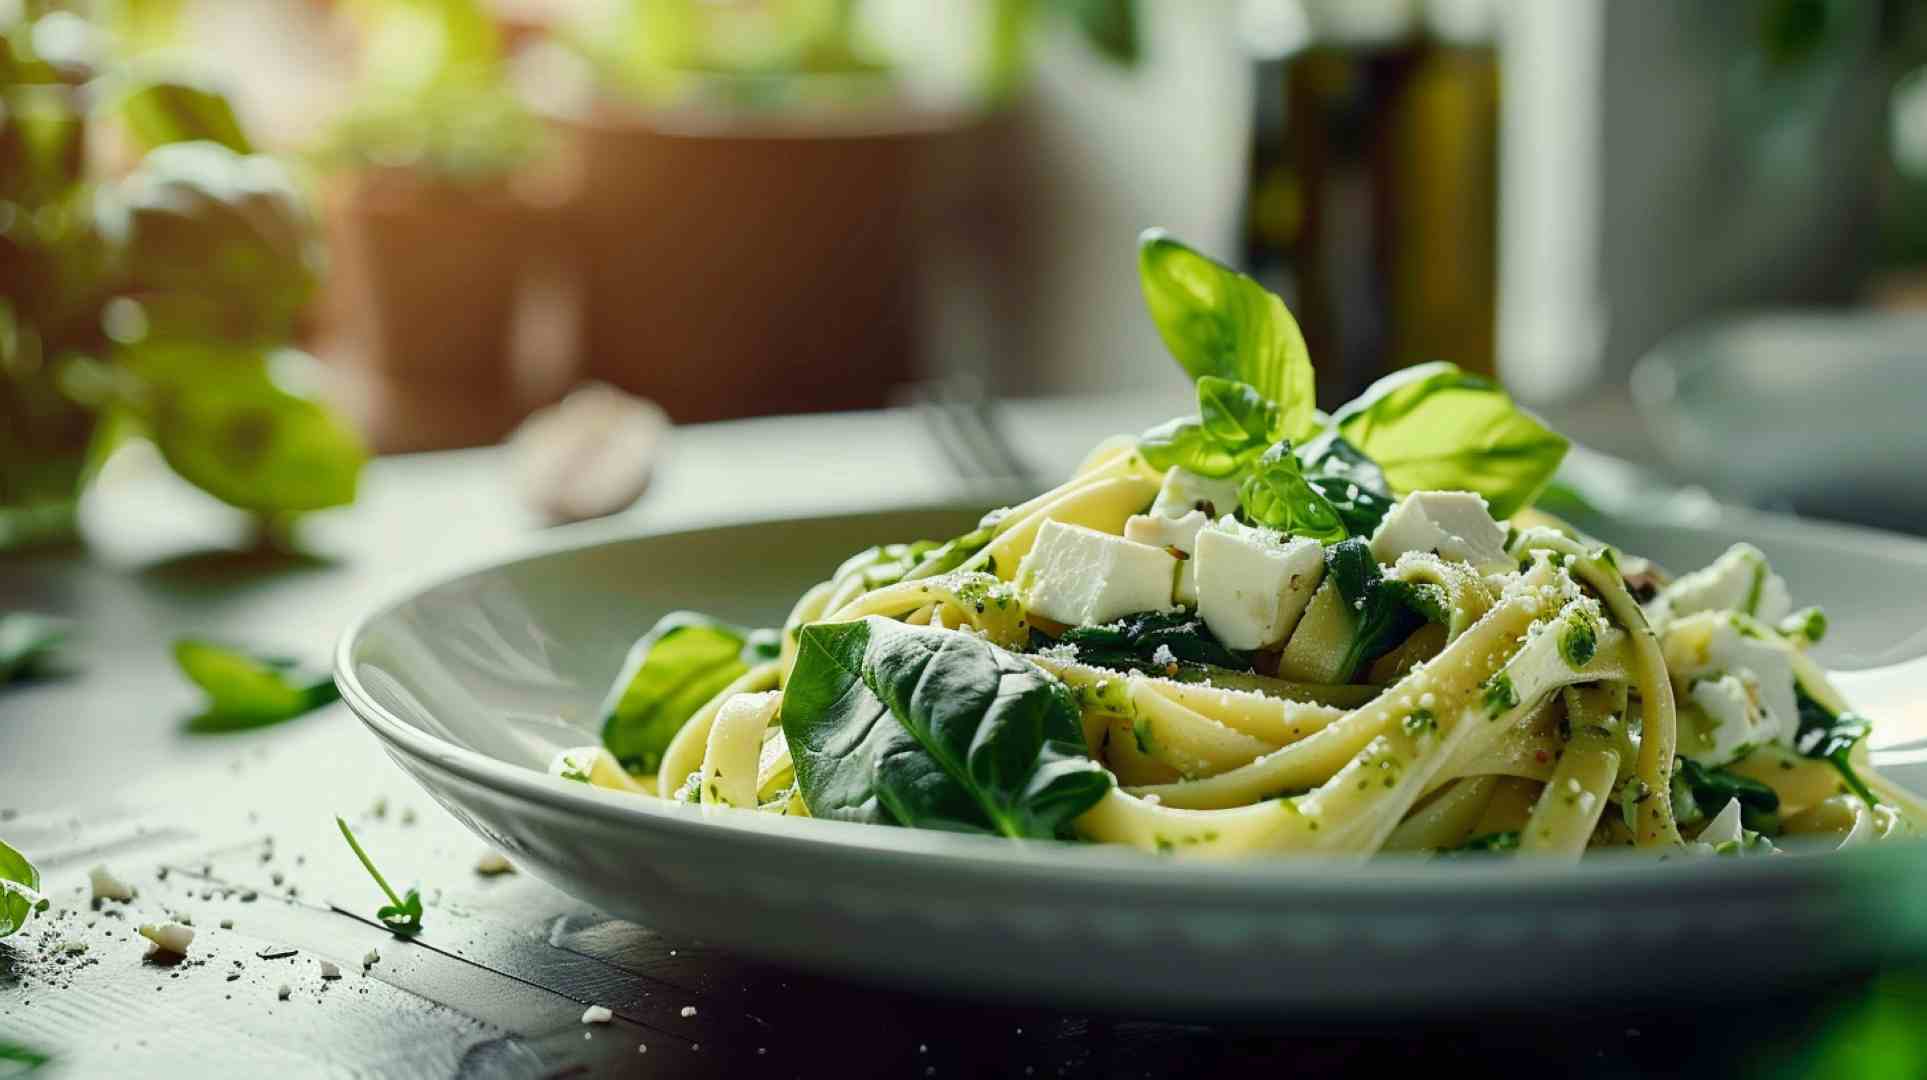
pixel 934 729
pixel 1276 495
pixel 1236 416
pixel 247 691
pixel 1388 609
pixel 162 112
pixel 1353 483
pixel 1434 427
pixel 1219 322
pixel 1184 443
pixel 19 890
pixel 682 662
pixel 229 421
pixel 1829 736
pixel 27 641
pixel 1130 643
pixel 1711 789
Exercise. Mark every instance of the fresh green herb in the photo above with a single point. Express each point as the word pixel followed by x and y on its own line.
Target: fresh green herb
pixel 1580 640
pixel 27 642
pixel 1182 443
pixel 246 690
pixel 1500 695
pixel 21 1060
pixel 1419 721
pixel 681 663
pixel 1711 788
pixel 1434 427
pixel 1276 495
pixel 1807 624
pixel 928 728
pixel 1130 643
pixel 19 890
pixel 159 112
pixel 1352 483
pixel 1830 736
pixel 1219 322
pixel 402 915
pixel 1489 843
pixel 1233 426
pixel 1388 610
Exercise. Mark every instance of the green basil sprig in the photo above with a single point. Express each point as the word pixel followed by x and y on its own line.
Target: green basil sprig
pixel 1218 322
pixel 1277 495
pixel 1830 736
pixel 20 894
pixel 245 690
pixel 1434 427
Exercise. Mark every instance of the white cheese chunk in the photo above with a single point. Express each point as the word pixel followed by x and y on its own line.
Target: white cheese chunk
pixel 1082 577
pixel 1185 491
pixel 1456 524
pixel 1739 677
pixel 169 937
pixel 1253 584
pixel 597 1014
pixel 1739 580
pixel 1180 533
pixel 106 886
pixel 1725 827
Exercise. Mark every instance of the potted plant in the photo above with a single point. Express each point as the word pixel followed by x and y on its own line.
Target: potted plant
pixel 158 303
pixel 432 230
pixel 752 200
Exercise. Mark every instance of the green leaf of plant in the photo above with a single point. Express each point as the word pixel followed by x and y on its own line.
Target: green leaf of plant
pixel 936 729
pixel 1130 643
pixel 224 421
pixel 1277 496
pixel 1712 788
pixel 1387 610
pixel 402 915
pixel 1236 415
pixel 1219 322
pixel 19 890
pixel 682 662
pixel 1434 427
pixel 163 111
pixel 1183 443
pixel 1111 26
pixel 248 691
pixel 198 220
pixel 27 641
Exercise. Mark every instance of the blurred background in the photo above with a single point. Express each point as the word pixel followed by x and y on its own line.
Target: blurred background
pixel 266 239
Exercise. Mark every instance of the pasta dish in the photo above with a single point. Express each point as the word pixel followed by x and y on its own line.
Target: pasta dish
pixel 1263 628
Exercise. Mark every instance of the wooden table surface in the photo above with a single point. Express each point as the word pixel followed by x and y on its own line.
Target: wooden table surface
pixel 235 833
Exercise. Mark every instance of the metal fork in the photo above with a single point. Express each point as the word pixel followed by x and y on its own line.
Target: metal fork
pixel 962 419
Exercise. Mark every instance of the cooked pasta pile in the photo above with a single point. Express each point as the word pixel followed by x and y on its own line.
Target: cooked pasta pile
pixel 1264 629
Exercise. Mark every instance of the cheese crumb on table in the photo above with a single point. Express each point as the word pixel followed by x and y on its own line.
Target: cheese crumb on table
pixel 596 1014
pixel 108 887
pixel 688 1010
pixel 329 970
pixel 493 863
pixel 169 937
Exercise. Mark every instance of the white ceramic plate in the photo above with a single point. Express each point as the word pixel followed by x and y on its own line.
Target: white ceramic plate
pixel 473 683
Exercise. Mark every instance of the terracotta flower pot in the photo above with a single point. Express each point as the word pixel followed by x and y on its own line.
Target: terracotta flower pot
pixel 740 268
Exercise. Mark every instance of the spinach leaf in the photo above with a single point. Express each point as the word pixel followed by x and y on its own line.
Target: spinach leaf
pixel 246 690
pixel 1130 643
pixel 935 729
pixel 19 890
pixel 1349 480
pixel 682 662
pixel 1711 788
pixel 1388 609
pixel 1830 736
pixel 1219 322
pixel 27 642
pixel 1276 495
pixel 1434 427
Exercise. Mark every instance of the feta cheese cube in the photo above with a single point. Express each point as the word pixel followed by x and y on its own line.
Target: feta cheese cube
pixel 1180 533
pixel 1739 580
pixel 1740 679
pixel 1456 524
pixel 1253 584
pixel 1082 577
pixel 1185 491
